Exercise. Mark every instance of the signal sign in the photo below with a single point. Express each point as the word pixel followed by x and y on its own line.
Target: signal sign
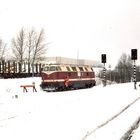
pixel 134 54
pixel 103 57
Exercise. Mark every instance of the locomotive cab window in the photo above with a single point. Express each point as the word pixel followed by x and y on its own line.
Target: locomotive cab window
pixel 52 68
pixel 46 69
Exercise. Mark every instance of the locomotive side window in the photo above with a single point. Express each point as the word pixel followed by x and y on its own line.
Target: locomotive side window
pixel 74 68
pixel 68 68
pixel 81 68
pixel 58 68
pixel 86 69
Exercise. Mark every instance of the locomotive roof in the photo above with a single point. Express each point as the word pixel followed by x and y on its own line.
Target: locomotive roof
pixel 74 65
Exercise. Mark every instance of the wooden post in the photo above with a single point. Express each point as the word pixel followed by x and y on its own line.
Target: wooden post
pixel 36 68
pixel 40 68
pixel 14 67
pixel 19 67
pixel 3 66
pixel 8 66
pixel 29 67
pixel 0 67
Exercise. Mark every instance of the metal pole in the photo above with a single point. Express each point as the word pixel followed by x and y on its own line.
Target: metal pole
pixel 134 75
pixel 104 76
pixel 78 57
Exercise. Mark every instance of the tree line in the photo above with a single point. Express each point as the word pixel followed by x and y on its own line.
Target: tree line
pixel 27 46
pixel 123 71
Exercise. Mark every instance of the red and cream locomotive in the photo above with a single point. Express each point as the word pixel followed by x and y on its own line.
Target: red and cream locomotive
pixel 67 77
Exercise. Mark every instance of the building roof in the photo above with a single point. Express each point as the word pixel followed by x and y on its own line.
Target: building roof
pixel 64 60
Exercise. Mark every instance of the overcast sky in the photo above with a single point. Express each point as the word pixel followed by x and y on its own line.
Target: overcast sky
pixel 91 26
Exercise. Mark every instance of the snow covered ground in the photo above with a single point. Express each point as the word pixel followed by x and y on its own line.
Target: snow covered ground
pixel 97 113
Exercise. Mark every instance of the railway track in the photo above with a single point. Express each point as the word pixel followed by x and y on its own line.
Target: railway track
pixel 128 133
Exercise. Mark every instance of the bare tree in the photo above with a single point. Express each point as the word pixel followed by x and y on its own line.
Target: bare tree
pixel 18 46
pixel 39 50
pixel 36 48
pixel 30 45
pixel 2 50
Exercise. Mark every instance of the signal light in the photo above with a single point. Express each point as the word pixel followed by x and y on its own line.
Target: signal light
pixel 103 58
pixel 134 54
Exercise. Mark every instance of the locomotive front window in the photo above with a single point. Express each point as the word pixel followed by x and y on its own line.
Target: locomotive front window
pixel 52 68
pixel 46 69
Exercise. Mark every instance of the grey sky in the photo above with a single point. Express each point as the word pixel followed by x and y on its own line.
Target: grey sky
pixel 91 26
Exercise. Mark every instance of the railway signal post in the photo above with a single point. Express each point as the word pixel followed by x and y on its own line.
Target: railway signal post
pixel 103 60
pixel 134 58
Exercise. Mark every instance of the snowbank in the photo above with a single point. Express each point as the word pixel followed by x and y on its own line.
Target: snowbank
pixel 69 115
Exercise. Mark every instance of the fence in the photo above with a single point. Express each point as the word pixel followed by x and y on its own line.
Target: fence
pixel 15 69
